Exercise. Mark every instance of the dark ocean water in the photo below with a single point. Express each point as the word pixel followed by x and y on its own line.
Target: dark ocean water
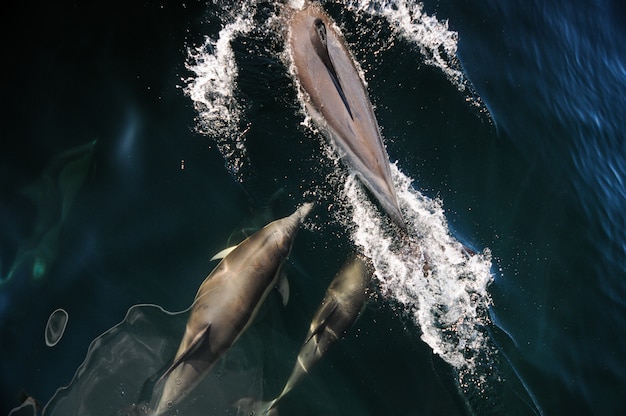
pixel 511 118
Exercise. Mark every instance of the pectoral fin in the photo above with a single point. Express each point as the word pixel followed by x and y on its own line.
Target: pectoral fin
pixel 283 288
pixel 223 253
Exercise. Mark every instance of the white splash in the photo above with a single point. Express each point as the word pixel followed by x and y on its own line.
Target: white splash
pixel 430 274
pixel 212 91
pixel 435 41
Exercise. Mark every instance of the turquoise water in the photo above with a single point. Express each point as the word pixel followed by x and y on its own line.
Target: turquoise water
pixel 505 125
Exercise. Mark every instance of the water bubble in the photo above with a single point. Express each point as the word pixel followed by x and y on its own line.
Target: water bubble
pixel 219 373
pixel 178 381
pixel 56 327
pixel 212 91
pixel 170 404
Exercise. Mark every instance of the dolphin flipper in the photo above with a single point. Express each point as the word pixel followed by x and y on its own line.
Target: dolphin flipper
pixel 283 288
pixel 223 253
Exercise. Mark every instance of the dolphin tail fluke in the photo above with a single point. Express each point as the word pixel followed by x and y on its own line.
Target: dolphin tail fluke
pixel 249 406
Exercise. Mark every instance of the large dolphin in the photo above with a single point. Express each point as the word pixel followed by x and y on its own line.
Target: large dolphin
pixel 344 300
pixel 337 101
pixel 226 303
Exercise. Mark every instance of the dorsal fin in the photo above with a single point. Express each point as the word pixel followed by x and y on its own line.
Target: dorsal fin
pixel 319 39
pixel 200 339
pixel 323 315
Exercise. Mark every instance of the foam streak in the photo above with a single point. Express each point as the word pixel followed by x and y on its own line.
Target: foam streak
pixel 212 91
pixel 442 288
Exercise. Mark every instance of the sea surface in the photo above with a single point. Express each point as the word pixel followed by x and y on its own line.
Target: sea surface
pixel 139 139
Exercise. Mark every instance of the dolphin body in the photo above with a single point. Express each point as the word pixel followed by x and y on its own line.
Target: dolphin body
pixel 226 303
pixel 337 101
pixel 343 302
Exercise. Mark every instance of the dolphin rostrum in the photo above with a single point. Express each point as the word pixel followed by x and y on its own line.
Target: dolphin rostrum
pixel 343 302
pixel 227 302
pixel 337 101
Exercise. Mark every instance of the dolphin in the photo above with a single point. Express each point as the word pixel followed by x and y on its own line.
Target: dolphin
pixel 226 303
pixel 337 101
pixel 342 304
pixel 53 195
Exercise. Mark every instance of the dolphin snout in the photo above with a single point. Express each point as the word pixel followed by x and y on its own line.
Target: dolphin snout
pixel 304 210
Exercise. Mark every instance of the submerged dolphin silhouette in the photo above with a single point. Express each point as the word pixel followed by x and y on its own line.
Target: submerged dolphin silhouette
pixel 53 195
pixel 337 101
pixel 227 302
pixel 344 300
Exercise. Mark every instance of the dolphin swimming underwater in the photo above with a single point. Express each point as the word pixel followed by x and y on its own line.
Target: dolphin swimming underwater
pixel 53 195
pixel 337 101
pixel 226 304
pixel 343 302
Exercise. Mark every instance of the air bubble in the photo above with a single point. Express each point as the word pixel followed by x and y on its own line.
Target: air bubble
pixel 55 328
pixel 120 390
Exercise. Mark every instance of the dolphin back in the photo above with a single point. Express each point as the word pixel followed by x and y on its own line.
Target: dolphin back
pixel 337 101
pixel 340 308
pixel 342 304
pixel 226 304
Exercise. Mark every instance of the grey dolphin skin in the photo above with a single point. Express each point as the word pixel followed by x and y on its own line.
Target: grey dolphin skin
pixel 226 303
pixel 337 101
pixel 344 300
